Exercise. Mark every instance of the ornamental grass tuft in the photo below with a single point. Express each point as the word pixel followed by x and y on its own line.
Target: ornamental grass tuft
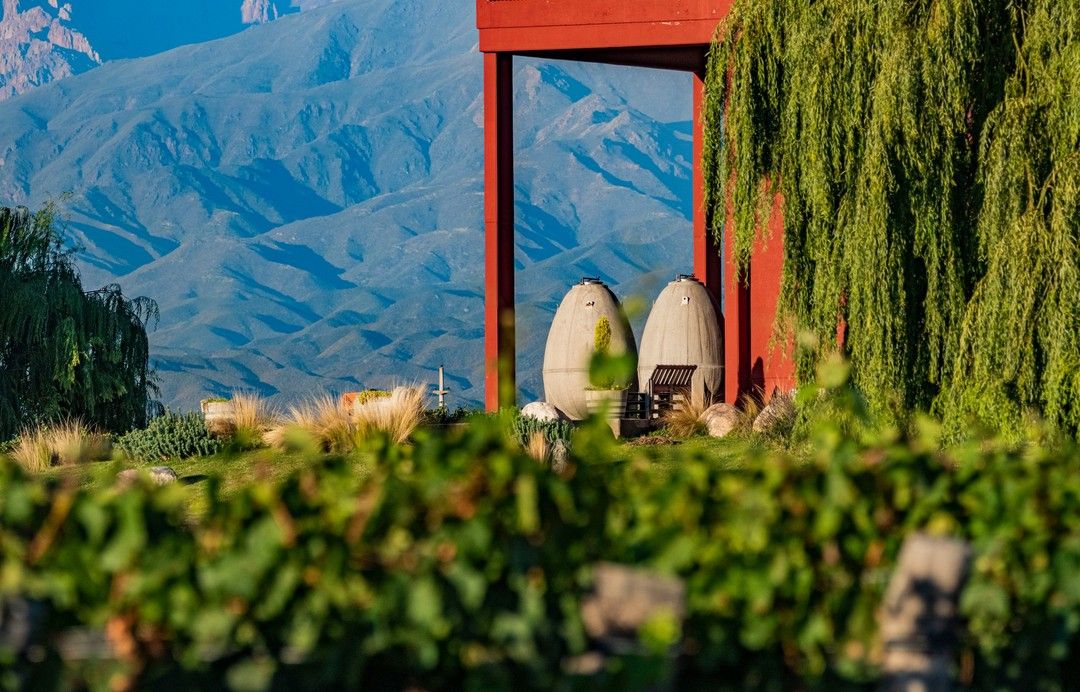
pixel 65 443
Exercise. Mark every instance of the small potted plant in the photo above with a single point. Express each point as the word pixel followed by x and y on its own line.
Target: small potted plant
pixel 610 378
pixel 351 401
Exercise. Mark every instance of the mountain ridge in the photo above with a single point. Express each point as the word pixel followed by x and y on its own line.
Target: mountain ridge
pixel 42 41
pixel 313 223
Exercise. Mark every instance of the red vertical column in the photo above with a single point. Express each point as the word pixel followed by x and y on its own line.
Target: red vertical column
pixel 772 365
pixel 499 350
pixel 737 380
pixel 707 262
pixel 717 272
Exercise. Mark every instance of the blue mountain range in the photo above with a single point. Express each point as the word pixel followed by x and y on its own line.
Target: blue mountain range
pixel 304 198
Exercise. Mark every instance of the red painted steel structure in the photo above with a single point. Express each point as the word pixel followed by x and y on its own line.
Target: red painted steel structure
pixel 664 34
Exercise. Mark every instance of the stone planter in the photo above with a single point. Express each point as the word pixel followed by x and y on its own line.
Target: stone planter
pixel 220 417
pixel 611 403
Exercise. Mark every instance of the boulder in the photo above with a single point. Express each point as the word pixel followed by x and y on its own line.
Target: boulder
pixel 777 417
pixel 560 457
pixel 159 475
pixel 721 420
pixel 541 411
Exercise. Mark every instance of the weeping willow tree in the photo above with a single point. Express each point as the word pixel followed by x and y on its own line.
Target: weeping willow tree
pixel 928 154
pixel 65 352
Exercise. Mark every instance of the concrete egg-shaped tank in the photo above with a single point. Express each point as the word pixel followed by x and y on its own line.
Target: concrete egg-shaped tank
pixel 684 328
pixel 571 343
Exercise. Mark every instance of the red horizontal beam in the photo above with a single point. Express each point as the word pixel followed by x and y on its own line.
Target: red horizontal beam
pixel 588 36
pixel 516 26
pixel 537 13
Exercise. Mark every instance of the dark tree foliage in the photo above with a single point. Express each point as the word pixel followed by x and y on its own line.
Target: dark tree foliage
pixel 66 353
pixel 928 153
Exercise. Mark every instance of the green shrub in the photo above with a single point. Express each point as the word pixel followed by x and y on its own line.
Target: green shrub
pixel 524 428
pixel 447 416
pixel 171 436
pixel 602 336
pixel 435 571
pixel 371 395
pixel 460 563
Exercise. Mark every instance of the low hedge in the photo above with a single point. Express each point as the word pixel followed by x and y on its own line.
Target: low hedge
pixel 171 436
pixel 460 563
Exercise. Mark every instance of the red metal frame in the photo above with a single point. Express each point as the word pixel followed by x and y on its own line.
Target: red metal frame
pixel 665 34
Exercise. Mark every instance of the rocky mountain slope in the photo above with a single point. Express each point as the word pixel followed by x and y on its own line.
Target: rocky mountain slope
pixel 304 198
pixel 45 40
pixel 38 45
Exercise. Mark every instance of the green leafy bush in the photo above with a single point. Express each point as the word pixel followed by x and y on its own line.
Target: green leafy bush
pixel 460 563
pixel 447 416
pixel 371 395
pixel 171 436
pixel 524 428
pixel 609 370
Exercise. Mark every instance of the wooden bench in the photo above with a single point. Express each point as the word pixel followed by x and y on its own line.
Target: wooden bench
pixel 669 383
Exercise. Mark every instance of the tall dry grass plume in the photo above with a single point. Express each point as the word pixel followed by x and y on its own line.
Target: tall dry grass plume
pixel 337 427
pixel 65 443
pixel 539 447
pixel 253 417
pixel 749 408
pixel 396 416
pixel 684 418
pixel 321 421
pixel 32 452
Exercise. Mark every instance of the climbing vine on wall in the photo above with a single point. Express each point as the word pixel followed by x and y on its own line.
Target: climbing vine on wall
pixel 928 154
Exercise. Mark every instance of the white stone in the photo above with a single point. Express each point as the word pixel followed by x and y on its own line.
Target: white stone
pixel 778 416
pixel 721 420
pixel 158 475
pixel 541 411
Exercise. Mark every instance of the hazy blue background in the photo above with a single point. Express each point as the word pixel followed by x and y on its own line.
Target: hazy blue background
pixel 303 198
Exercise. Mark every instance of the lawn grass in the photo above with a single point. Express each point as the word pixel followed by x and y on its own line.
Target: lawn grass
pixel 233 471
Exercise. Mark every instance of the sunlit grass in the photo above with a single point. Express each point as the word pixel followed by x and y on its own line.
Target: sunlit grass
pixel 64 443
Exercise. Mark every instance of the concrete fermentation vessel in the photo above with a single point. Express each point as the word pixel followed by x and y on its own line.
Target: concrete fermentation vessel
pixel 570 344
pixel 684 329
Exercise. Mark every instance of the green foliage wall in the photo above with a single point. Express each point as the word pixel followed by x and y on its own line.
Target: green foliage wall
pixel 459 562
pixel 65 352
pixel 928 154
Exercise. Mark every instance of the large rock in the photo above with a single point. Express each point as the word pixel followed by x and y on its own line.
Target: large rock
pixel 560 457
pixel 158 475
pixel 721 420
pixel 542 411
pixel 778 417
pixel 220 417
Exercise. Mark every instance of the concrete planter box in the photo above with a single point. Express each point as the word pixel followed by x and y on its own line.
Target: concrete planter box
pixel 611 403
pixel 220 417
